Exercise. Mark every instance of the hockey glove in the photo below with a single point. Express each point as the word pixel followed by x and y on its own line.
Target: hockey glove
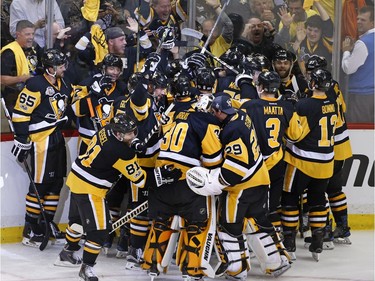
pixel 243 78
pixel 196 60
pixel 166 175
pixel 151 62
pixel 138 146
pixel 164 119
pixel 20 150
pixel 106 82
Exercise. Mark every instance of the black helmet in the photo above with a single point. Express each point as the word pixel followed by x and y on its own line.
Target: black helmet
pixel 320 79
pixel 180 86
pixel 314 62
pixel 270 81
pixel 159 80
pixel 205 78
pixel 53 57
pixel 233 57
pixel 112 60
pixel 122 123
pixel 134 79
pixel 263 60
pixel 173 67
pixel 282 54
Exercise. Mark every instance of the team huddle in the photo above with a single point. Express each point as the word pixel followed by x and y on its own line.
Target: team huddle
pixel 230 160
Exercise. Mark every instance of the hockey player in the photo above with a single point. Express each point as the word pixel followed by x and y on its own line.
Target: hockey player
pixel 93 98
pixel 242 185
pixel 310 163
pixel 292 87
pixel 38 116
pixel 273 119
pixel 191 141
pixel 343 151
pixel 92 174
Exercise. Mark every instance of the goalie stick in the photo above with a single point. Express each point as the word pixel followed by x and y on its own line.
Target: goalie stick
pixel 44 243
pixel 128 216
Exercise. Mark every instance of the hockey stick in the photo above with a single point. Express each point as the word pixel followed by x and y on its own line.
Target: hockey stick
pixel 231 68
pixel 157 126
pixel 192 33
pixel 47 230
pixel 214 27
pixel 43 211
pixel 128 216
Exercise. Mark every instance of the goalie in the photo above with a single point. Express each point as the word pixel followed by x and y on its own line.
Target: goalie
pixel 242 185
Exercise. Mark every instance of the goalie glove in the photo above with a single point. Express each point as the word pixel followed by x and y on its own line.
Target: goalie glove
pixel 20 150
pixel 242 79
pixel 205 182
pixel 166 175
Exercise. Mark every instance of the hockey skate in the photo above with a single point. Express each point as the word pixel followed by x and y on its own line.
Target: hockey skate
pixel 134 259
pixel 87 273
pixel 316 246
pixel 108 243
pixel 341 235
pixel 122 245
pixel 33 240
pixel 327 240
pixel 68 258
pixel 290 243
pixel 57 236
pixel 304 226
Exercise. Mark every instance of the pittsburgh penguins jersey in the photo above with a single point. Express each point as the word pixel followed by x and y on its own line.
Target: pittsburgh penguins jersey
pixel 93 111
pixel 272 120
pixel 227 85
pixel 342 148
pixel 313 152
pixel 295 88
pixel 193 140
pixel 105 159
pixel 40 108
pixel 142 108
pixel 243 165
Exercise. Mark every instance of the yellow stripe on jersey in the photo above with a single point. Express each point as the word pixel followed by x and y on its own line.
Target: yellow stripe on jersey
pixel 232 199
pixel 79 186
pixel 141 112
pixel 40 159
pixel 343 150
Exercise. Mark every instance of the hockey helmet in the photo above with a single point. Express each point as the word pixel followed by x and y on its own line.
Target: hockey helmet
pixel 173 67
pixel 122 123
pixel 159 80
pixel 112 60
pixel 205 78
pixel 314 62
pixel 180 86
pixel 282 54
pixel 53 58
pixel 320 79
pixel 270 81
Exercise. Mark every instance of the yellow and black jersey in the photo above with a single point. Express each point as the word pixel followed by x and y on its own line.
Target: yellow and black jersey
pixel 193 140
pixel 296 87
pixel 243 165
pixel 105 159
pixel 141 107
pixel 227 85
pixel 94 112
pixel 342 148
pixel 273 119
pixel 313 151
pixel 40 108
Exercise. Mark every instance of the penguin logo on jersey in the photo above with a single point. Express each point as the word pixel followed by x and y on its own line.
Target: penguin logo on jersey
pixel 58 105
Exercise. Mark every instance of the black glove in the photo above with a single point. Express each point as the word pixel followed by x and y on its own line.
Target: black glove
pixel 166 175
pixel 196 60
pixel 151 62
pixel 106 82
pixel 21 149
pixel 164 119
pixel 242 79
pixel 138 146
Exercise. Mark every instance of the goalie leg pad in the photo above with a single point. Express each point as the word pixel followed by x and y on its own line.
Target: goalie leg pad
pixel 235 254
pixel 156 245
pixel 196 239
pixel 267 250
